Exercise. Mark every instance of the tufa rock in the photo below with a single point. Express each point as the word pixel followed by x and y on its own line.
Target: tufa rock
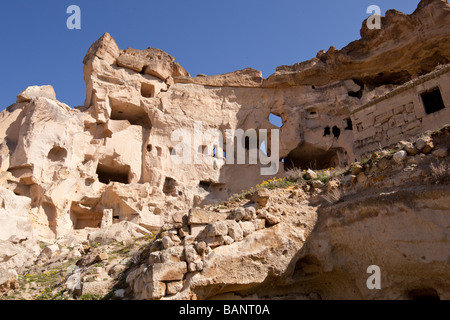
pixel 399 156
pixel 310 174
pixel 261 197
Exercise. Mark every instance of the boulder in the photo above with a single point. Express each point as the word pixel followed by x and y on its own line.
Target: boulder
pixel 247 228
pixel 399 156
pixel 49 252
pixel 8 280
pixel 104 48
pixel 310 174
pixel 122 231
pixel 219 228
pixel 235 232
pixel 200 216
pixel 171 271
pixel 36 91
pixel 261 197
pixel 424 145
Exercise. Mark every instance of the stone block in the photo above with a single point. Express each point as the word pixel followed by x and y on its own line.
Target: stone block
pixel 259 224
pixel 247 228
pixel 409 107
pixel 154 290
pixel 394 132
pixel 168 271
pixel 174 287
pixel 399 119
pixel 219 228
pixel 235 232
pixel 196 229
pixel 261 197
pixel 411 125
pixel 383 117
pixel 200 216
pixel 398 110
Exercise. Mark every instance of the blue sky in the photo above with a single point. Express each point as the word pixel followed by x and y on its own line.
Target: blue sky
pixel 204 36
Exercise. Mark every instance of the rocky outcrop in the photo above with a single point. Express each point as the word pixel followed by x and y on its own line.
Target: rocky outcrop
pixel 200 258
pixel 78 173
pixel 392 55
pixel 247 78
pixel 324 240
pixel 105 171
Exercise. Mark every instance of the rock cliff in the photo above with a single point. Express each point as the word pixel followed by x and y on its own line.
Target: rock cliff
pixel 78 177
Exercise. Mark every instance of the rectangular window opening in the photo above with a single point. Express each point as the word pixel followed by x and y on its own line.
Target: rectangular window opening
pixel 432 100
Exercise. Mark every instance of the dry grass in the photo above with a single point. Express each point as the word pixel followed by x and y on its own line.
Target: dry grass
pixel 438 171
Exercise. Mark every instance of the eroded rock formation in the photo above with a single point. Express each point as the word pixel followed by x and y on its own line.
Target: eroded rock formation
pixel 70 172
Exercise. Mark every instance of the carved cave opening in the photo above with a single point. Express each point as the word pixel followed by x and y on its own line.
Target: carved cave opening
pixel 57 154
pixel 147 90
pixel 307 156
pixel 169 187
pixel 107 174
pixel 83 217
pixel 127 111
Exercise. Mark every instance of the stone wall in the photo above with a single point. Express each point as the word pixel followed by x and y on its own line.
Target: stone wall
pixel 400 114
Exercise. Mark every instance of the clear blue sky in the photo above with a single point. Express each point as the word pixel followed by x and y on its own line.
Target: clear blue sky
pixel 204 36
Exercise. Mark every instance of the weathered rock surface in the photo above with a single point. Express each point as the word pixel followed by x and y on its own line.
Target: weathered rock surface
pixel 121 231
pixel 390 62
pixel 103 173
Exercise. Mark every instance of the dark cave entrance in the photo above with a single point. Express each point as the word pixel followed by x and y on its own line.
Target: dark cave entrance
pixel 306 156
pixel 107 174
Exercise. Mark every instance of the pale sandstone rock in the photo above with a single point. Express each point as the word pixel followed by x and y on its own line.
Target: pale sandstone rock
pixel 219 228
pixel 96 287
pixel 49 252
pixel 238 214
pixel 8 280
pixel 36 91
pixel 246 78
pixel 168 271
pixel 228 240
pixel 356 61
pixel 271 219
pixel 78 174
pixel 154 290
pixel 150 61
pixel 259 224
pixel 200 247
pixel 424 145
pixel 250 212
pixel 199 216
pixel 356 169
pixel 235 232
pixel 410 149
pixel 400 156
pixel 190 253
pixel 310 174
pixel 261 197
pixel 171 254
pixel 247 227
pixel 122 231
pixel 167 242
pixel 318 184
pixel 174 287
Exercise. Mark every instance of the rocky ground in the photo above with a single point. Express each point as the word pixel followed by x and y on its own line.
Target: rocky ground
pixel 79 269
pixel 281 239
